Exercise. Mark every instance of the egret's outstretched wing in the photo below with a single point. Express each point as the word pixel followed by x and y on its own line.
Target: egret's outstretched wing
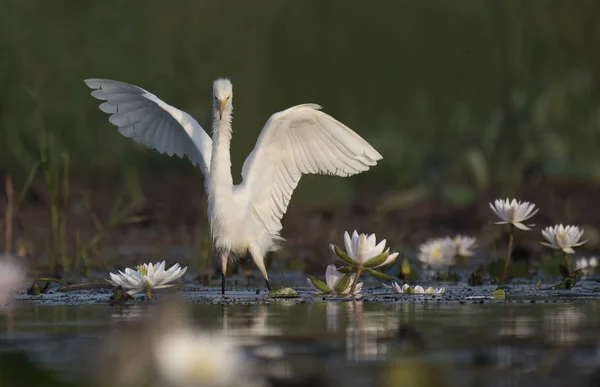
pixel 301 139
pixel 143 117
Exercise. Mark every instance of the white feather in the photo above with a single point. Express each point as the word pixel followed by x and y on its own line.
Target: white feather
pixel 143 117
pixel 296 141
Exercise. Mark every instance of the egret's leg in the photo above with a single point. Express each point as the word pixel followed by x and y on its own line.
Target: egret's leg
pixel 259 260
pixel 224 258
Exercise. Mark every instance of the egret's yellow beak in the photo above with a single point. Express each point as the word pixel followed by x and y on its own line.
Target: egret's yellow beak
pixel 222 103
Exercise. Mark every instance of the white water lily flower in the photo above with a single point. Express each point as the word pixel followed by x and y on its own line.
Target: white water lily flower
pixel 146 276
pixel 514 212
pixel 464 245
pixel 12 276
pixel 407 289
pixel 332 280
pixel 563 237
pixel 189 358
pixel 437 253
pixel 362 248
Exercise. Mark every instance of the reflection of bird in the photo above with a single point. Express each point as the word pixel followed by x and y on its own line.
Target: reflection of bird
pixel 246 217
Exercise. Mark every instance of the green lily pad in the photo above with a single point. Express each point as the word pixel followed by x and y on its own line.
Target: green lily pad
pixel 283 293
pixel 499 294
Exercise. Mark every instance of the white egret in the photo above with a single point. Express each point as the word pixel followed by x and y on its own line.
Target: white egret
pixel 246 217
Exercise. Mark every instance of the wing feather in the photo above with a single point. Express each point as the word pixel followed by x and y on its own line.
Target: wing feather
pixel 146 119
pixel 296 141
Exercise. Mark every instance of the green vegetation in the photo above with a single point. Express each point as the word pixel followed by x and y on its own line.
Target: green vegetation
pixel 458 96
pixel 462 93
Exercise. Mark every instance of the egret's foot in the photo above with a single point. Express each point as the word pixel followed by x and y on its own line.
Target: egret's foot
pixel 268 286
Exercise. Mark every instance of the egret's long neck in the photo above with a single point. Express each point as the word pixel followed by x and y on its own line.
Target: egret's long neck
pixel 220 181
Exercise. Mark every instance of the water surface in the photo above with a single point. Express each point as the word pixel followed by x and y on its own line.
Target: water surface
pixel 356 343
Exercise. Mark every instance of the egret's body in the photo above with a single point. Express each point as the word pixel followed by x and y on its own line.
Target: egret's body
pixel 246 217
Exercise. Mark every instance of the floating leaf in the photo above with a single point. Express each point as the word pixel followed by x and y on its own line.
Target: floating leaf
pixel 344 257
pixel 378 260
pixel 342 284
pixel 319 284
pixel 381 276
pixel 499 294
pixel 283 293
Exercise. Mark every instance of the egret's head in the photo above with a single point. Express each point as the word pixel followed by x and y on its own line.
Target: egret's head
pixel 223 95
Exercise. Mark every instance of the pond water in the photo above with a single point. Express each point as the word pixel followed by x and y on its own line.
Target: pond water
pixel 382 340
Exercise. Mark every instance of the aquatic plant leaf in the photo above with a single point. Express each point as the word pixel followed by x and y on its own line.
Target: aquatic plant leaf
pixel 34 290
pixel 378 260
pixel 568 282
pixel 283 293
pixel 342 284
pixel 476 277
pixel 319 284
pixel 347 269
pixel 344 257
pixel 381 276
pixel 499 294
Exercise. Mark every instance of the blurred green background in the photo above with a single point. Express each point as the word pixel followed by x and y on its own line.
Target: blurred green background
pixel 462 92
pixel 466 100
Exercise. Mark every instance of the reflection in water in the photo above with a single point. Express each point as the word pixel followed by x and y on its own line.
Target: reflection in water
pixel 562 324
pixel 519 326
pixel 365 330
pixel 131 313
pixel 343 342
pixel 248 327
pixel 333 311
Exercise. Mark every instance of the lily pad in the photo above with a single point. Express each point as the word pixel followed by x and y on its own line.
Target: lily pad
pixel 499 294
pixel 283 293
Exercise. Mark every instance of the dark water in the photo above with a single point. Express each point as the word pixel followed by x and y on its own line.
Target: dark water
pixel 422 342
